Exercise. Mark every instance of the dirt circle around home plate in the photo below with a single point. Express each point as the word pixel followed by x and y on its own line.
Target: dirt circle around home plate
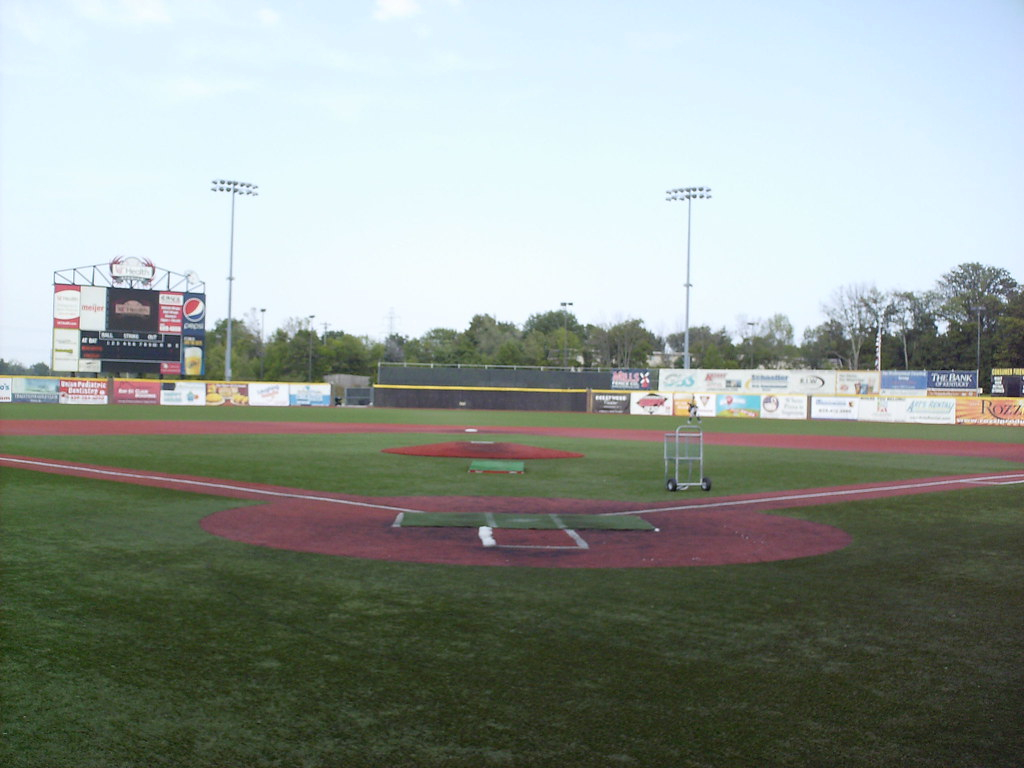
pixel 690 528
pixel 374 529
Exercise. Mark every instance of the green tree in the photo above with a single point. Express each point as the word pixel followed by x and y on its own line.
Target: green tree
pixel 824 346
pixel 438 345
pixel 708 349
pixel 629 344
pixel 970 286
pixel 343 353
pixel 857 310
pixel 913 325
pixel 555 338
pixel 1008 336
pixel 485 336
pixel 974 298
pixel 14 368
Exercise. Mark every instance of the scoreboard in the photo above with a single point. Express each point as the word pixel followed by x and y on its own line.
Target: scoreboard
pixel 128 330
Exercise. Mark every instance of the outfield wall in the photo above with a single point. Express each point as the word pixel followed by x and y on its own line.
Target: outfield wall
pixel 71 391
pixel 922 409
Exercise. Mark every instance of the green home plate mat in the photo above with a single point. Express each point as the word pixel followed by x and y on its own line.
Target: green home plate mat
pixel 545 522
pixel 498 465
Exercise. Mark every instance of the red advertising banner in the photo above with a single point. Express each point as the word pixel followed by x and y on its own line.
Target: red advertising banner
pixel 137 391
pixel 171 305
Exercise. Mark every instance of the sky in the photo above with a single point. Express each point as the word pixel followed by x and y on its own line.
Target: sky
pixel 420 162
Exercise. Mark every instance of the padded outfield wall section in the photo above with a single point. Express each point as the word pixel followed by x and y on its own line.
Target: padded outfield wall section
pixel 495 388
pixel 482 398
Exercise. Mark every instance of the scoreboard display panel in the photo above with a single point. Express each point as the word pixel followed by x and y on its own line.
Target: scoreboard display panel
pixel 128 330
pixel 129 345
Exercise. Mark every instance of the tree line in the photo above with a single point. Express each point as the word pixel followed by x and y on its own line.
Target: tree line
pixel 972 318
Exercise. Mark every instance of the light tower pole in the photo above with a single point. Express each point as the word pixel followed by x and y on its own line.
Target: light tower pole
pixel 309 328
pixel 565 333
pixel 979 309
pixel 688 194
pixel 263 349
pixel 235 188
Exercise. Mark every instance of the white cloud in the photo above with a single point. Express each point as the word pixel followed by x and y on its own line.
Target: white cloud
pixel 387 10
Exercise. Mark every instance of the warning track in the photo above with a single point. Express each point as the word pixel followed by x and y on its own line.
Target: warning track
pixel 697 531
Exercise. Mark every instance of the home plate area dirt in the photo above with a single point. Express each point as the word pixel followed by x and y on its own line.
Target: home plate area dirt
pixel 687 530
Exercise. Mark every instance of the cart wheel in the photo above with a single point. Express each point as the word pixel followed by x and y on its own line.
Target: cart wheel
pixel 705 483
pixel 671 484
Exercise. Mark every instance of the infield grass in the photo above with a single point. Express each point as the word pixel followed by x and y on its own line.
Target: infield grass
pixel 130 637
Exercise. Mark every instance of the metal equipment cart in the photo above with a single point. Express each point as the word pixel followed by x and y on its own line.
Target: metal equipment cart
pixel 685 447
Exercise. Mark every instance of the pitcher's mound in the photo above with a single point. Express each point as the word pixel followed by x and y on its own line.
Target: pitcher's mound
pixel 483 449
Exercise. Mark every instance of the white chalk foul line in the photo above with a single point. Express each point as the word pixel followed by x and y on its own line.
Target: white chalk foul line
pixel 1010 479
pixel 201 484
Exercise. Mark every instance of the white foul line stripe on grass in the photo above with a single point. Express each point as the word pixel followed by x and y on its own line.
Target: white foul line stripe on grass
pixel 1010 479
pixel 201 484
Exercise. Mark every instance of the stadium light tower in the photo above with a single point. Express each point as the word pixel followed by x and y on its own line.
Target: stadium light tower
pixel 263 349
pixel 565 333
pixel 979 309
pixel 235 188
pixel 309 328
pixel 689 194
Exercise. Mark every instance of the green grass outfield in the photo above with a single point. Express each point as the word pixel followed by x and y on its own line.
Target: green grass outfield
pixel 130 637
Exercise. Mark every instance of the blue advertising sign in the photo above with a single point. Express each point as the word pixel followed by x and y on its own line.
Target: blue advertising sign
pixel 905 380
pixel 953 380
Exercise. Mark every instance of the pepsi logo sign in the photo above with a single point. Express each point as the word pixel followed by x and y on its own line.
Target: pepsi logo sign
pixel 194 309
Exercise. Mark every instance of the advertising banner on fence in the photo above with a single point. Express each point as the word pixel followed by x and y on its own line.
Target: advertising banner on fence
pixel 650 403
pixel 268 393
pixel 226 393
pixel 5 389
pixel 953 383
pixel 83 391
pixel 784 407
pixel 700 380
pixel 793 382
pixel 1003 411
pixel 907 410
pixel 909 383
pixel 183 393
pixel 837 408
pixel 136 392
pixel 610 402
pixel 738 406
pixel 29 389
pixel 858 382
pixel 309 394
pixel 631 378
pixel 755 381
pixel 677 380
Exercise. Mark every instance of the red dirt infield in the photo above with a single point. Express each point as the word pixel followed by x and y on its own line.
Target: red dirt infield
pixel 692 529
